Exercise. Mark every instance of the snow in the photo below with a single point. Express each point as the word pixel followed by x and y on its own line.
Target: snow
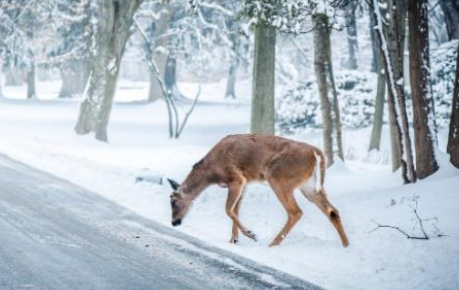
pixel 364 190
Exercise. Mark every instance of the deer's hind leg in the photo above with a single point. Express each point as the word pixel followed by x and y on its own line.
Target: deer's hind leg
pixel 284 193
pixel 320 199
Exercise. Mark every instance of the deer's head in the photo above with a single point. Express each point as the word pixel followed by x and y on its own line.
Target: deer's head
pixel 180 203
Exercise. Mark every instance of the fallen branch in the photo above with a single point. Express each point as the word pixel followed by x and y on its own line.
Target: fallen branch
pixel 419 221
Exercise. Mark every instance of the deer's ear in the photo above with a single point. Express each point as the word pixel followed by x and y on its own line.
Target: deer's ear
pixel 174 184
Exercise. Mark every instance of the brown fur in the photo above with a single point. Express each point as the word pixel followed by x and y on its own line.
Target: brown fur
pixel 238 160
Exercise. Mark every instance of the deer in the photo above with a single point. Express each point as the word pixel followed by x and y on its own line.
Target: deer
pixel 238 160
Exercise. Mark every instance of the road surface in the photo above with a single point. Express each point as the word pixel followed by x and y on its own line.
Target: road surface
pixel 56 235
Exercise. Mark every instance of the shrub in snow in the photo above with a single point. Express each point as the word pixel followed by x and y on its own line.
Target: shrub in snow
pixel 299 107
pixel 443 63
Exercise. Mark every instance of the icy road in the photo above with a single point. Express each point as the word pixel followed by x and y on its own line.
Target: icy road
pixel 56 235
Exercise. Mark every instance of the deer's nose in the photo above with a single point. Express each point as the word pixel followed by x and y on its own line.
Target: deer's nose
pixel 176 222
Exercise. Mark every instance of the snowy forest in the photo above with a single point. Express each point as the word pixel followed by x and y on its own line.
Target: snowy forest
pixel 118 96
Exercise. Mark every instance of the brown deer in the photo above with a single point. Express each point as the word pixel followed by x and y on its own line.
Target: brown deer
pixel 237 160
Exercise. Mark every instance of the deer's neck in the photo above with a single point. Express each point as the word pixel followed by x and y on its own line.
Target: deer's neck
pixel 195 183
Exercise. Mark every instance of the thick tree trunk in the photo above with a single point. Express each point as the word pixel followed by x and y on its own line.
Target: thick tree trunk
pixel 424 128
pixel 74 75
pixel 113 31
pixel 453 136
pixel 451 12
pixel 376 131
pixel 352 43
pixel 262 117
pixel 328 96
pixel 392 48
pixel 161 53
pixel 31 92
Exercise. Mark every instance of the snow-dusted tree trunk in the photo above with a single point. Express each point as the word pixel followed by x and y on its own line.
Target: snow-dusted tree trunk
pixel 453 136
pixel 328 96
pixel 375 140
pixel 352 42
pixel 231 81
pixel 451 12
pixel 425 139
pixel 113 30
pixel 392 47
pixel 1 90
pixel 31 89
pixel 161 54
pixel 262 116
pixel 74 75
pixel 375 46
pixel 377 65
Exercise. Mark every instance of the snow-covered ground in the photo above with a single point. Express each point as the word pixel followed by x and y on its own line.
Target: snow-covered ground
pixel 40 132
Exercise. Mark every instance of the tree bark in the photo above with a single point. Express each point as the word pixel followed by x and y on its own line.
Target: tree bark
pixel 31 91
pixel 451 12
pixel 262 116
pixel 74 75
pixel 161 54
pixel 113 31
pixel 328 96
pixel 425 139
pixel 351 30
pixel 376 131
pixel 453 136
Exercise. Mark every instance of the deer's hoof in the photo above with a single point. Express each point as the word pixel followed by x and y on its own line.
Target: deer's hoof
pixel 234 241
pixel 251 235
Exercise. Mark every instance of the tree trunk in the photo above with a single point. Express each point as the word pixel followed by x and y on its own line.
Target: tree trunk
pixel 376 131
pixel 74 75
pixel 13 77
pixel 425 139
pixel 161 54
pixel 351 30
pixel 1 90
pixel 451 12
pixel 170 77
pixel 113 31
pixel 262 117
pixel 392 48
pixel 31 92
pixel 328 96
pixel 375 61
pixel 453 136
pixel 231 82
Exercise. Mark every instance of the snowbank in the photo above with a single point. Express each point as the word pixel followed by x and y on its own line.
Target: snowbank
pixel 41 133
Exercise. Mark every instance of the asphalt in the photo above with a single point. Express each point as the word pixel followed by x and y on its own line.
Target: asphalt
pixel 57 235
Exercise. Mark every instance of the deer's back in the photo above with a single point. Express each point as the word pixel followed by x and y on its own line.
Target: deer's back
pixel 259 157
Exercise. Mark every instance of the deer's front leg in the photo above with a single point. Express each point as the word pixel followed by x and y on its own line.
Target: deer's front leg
pixel 235 191
pixel 235 231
